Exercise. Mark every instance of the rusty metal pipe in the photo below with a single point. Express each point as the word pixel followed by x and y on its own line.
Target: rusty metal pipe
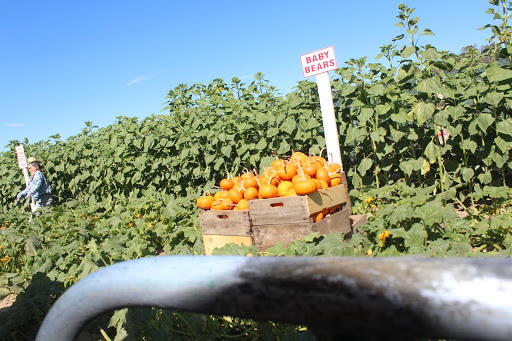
pixel 368 298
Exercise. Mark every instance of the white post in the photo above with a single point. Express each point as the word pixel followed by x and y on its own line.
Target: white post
pixel 328 118
pixel 22 162
pixel 27 177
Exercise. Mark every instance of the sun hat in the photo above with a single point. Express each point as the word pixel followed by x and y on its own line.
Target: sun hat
pixel 33 159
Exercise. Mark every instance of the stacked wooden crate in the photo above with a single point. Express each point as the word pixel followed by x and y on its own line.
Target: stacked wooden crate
pixel 282 219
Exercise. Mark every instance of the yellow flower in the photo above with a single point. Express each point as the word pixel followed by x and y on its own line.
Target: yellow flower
pixel 150 225
pixel 93 218
pixel 137 216
pixel 382 237
pixel 130 224
pixel 369 252
pixel 368 200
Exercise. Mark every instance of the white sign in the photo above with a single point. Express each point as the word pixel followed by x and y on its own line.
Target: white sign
pixel 317 62
pixel 20 153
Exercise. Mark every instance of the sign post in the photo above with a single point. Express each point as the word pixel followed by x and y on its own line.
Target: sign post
pixel 319 63
pixel 22 163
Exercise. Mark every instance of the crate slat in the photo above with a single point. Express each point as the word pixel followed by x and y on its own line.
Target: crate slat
pixel 326 198
pixel 231 223
pixel 266 236
pixel 277 211
pixel 337 222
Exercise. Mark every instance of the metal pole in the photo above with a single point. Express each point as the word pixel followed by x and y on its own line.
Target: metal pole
pixel 383 298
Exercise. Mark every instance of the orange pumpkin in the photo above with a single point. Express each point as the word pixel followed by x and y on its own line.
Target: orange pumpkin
pixel 226 204
pixel 291 193
pixel 238 186
pixel 287 172
pixel 226 184
pixel 299 157
pixel 250 182
pixel 205 202
pixel 300 177
pixel 277 163
pixel 242 205
pixel 334 167
pixel 318 160
pixel 310 169
pixel 251 193
pixel 235 195
pixel 335 179
pixel 267 191
pixel 221 195
pixel 217 205
pixel 323 174
pixel 284 187
pixel 304 187
pixel 317 217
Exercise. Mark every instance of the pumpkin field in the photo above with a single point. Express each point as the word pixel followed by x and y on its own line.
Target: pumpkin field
pixel 425 138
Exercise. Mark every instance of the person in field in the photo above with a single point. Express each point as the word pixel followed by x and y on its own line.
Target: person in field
pixel 37 188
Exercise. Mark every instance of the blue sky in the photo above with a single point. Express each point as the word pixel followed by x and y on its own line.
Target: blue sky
pixel 67 62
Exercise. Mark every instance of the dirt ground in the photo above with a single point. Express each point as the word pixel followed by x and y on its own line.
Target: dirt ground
pixel 6 303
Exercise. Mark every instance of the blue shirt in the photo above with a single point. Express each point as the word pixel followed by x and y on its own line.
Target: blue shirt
pixel 37 187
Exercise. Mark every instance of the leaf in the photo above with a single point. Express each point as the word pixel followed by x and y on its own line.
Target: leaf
pixel 502 144
pixel 407 166
pixel 365 115
pixel 425 168
pixel 399 37
pixel 504 127
pixel 431 152
pixel 430 85
pixel 423 111
pixel 469 144
pixel 396 134
pixel 429 54
pixel 495 73
pixel 467 174
pixel 427 32
pixel 376 90
pixel 416 238
pixel 364 166
pixel 408 51
pixel 493 98
pixel 289 126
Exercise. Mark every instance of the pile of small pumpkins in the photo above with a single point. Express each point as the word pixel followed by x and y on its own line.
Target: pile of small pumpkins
pixel 300 174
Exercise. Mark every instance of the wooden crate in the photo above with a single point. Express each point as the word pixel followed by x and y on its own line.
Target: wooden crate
pixel 285 219
pixel 224 227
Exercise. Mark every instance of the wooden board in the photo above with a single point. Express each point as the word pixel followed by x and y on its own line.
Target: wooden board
pixel 266 236
pixel 326 198
pixel 212 241
pixel 297 209
pixel 338 222
pixel 278 211
pixel 229 223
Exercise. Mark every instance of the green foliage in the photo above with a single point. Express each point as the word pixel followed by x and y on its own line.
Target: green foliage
pixel 426 144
